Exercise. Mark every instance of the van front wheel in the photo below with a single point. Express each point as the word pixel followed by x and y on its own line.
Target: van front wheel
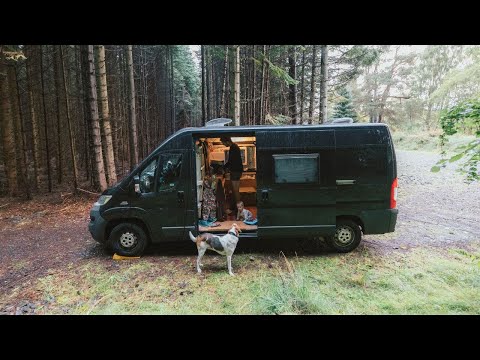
pixel 128 239
pixel 347 236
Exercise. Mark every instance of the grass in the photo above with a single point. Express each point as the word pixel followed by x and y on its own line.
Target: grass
pixel 419 283
pixel 416 282
pixel 427 141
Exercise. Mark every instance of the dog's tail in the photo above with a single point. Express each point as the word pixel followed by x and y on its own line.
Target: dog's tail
pixel 193 238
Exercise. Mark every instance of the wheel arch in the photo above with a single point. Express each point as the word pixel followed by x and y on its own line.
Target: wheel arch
pixel 353 218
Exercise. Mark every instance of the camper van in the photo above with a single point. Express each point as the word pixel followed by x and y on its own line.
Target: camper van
pixel 335 181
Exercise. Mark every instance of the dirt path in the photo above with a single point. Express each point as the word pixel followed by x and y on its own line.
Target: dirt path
pixel 435 209
pixel 50 233
pixel 39 236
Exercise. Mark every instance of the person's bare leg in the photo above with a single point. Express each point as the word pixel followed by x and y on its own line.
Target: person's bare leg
pixel 236 191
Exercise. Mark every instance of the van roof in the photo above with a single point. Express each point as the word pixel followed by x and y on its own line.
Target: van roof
pixel 251 128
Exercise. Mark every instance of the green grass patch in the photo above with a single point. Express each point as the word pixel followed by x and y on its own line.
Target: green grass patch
pixel 418 282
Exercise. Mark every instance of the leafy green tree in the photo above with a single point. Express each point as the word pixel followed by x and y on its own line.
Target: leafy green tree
pixel 461 84
pixel 346 62
pixel 344 107
pixel 388 72
pixel 186 84
pixel 464 114
pixel 186 73
pixel 435 63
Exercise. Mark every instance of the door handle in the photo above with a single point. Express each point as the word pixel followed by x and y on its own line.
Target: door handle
pixel 264 195
pixel 345 182
pixel 181 196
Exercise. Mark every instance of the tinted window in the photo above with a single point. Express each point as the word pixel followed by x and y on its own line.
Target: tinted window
pixel 295 139
pixel 364 162
pixel 359 137
pixel 171 165
pixel 296 168
pixel 147 177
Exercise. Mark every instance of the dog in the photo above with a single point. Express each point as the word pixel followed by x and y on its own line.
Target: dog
pixel 224 245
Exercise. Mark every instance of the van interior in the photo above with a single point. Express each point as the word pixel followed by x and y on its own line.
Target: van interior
pixel 215 199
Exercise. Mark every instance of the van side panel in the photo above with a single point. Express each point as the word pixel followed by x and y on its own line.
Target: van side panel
pixel 295 208
pixel 365 166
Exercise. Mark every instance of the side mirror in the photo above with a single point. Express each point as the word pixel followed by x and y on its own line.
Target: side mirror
pixel 136 184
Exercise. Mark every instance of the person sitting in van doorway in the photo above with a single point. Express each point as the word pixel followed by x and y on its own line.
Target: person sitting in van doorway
pixel 234 164
pixel 242 213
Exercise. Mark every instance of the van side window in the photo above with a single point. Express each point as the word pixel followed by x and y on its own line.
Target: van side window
pixel 296 168
pixel 170 167
pixel 147 177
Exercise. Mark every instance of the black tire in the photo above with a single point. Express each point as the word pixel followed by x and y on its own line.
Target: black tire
pixel 347 236
pixel 128 239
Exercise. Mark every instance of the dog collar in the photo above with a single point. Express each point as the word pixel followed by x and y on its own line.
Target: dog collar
pixel 232 233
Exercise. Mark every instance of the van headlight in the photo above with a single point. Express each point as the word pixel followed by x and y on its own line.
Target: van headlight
pixel 102 200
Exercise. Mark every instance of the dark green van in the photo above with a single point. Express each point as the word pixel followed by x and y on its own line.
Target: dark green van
pixel 333 181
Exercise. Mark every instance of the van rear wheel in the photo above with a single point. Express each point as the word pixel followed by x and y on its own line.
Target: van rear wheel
pixel 128 239
pixel 347 236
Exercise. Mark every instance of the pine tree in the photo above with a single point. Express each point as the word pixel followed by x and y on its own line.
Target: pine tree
pixel 344 107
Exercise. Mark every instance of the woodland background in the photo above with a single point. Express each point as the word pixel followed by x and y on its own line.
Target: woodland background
pixel 82 116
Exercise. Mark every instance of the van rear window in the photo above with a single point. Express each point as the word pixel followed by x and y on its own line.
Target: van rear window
pixel 296 168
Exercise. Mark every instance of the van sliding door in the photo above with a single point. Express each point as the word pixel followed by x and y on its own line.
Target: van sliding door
pixel 296 189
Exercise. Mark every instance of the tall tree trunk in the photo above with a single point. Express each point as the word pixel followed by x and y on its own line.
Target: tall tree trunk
pixel 302 85
pixel 33 116
pixel 208 84
pixel 132 118
pixel 8 129
pixel 71 138
pixel 164 66
pixel 262 87
pixel 213 91
pixel 172 93
pixel 323 84
pixel 231 83
pixel 237 86
pixel 140 108
pixel 386 91
pixel 95 122
pixel 245 77
pixel 21 139
pixel 292 93
pixel 374 107
pixel 267 85
pixel 224 86
pixel 105 113
pixel 312 85
pixel 204 94
pixel 112 60
pixel 47 146
pixel 58 81
pixel 86 119
pixel 254 76
pixel 429 114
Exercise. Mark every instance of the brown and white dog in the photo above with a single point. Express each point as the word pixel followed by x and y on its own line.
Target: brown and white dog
pixel 224 245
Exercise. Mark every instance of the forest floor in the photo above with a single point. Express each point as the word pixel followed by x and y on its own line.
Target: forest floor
pixel 429 265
